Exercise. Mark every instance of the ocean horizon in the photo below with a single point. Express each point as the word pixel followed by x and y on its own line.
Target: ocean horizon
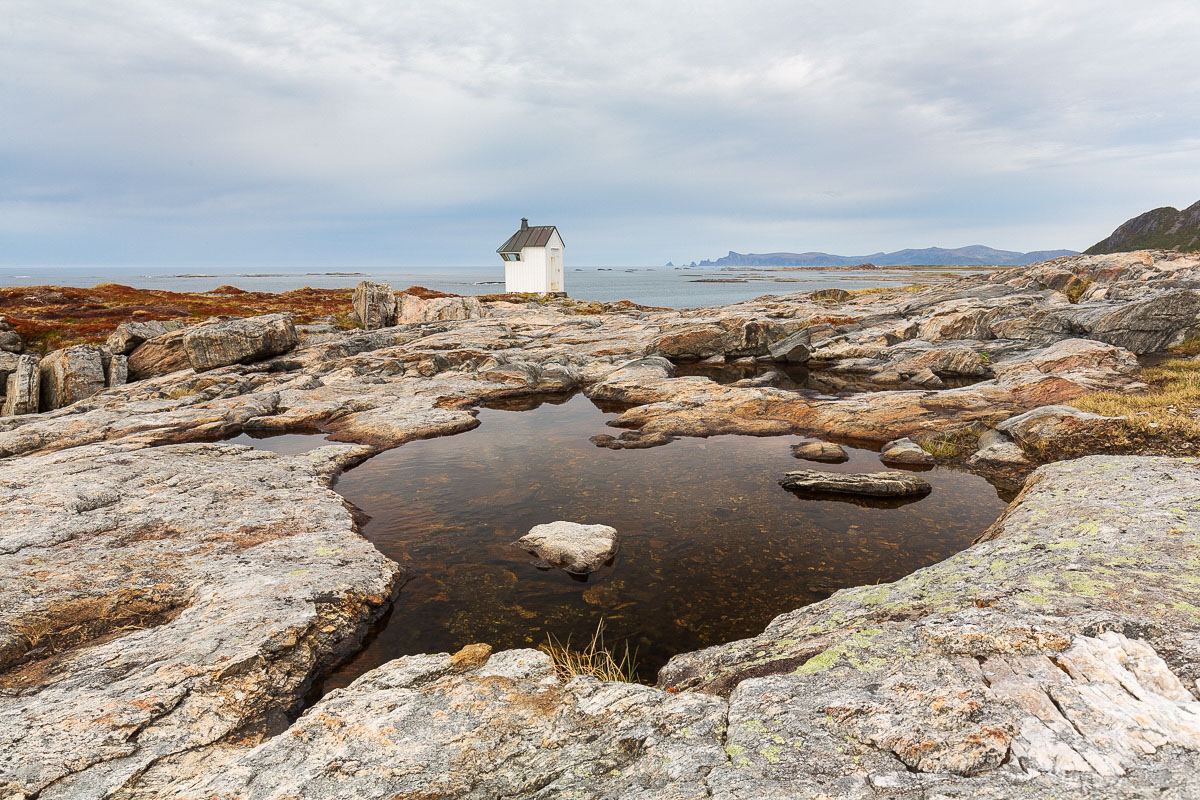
pixel 674 287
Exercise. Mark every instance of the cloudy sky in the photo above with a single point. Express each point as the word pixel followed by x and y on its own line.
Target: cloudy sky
pixel 325 133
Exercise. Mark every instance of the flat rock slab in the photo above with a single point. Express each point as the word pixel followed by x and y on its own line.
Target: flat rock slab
pixel 156 603
pixel 868 484
pixel 579 549
pixel 824 452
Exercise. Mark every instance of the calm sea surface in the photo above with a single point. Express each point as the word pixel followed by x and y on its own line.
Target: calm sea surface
pixel 675 287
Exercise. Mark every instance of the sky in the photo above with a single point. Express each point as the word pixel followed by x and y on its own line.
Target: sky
pixel 403 133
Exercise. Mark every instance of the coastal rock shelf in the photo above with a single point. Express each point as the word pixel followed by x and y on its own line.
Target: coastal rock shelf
pixel 164 606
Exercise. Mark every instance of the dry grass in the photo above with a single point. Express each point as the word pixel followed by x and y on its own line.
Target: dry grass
pixel 1076 290
pixel 1167 411
pixel 594 659
pixel 952 444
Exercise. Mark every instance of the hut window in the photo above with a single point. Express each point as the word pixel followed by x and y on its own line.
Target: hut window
pixel 512 256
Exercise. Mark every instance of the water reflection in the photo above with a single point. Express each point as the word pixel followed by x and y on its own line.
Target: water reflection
pixel 711 547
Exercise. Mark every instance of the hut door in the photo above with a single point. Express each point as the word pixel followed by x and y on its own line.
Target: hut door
pixel 556 269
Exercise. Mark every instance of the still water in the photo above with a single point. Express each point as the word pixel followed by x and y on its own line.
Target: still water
pixel 711 547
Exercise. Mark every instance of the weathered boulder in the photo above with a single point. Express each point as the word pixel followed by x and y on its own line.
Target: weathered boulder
pixel 578 549
pixel 412 308
pixel 470 726
pixel 117 373
pixel 1000 455
pixel 729 336
pixel 1142 326
pixel 238 341
pixel 375 305
pixel 905 452
pixel 128 335
pixel 830 295
pixel 161 355
pixel 824 452
pixel 870 484
pixel 1036 428
pixel 10 340
pixel 71 374
pixel 23 387
pixel 633 381
pixel 793 348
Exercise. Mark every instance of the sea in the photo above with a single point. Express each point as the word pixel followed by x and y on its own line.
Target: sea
pixel 673 287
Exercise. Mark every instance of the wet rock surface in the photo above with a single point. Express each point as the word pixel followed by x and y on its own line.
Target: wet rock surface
pixel 164 603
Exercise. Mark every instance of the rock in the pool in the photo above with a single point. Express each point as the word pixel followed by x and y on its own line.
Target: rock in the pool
pixel 579 549
pixel 905 452
pixel 825 452
pixel 871 484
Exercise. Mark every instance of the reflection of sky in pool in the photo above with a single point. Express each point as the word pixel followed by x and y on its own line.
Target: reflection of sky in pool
pixel 711 547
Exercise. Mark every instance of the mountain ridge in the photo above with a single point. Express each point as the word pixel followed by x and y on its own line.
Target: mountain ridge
pixel 1165 228
pixel 971 255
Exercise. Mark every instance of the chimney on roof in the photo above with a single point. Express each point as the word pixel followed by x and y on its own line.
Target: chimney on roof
pixel 524 223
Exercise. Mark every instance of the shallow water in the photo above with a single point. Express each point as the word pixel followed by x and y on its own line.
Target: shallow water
pixel 711 547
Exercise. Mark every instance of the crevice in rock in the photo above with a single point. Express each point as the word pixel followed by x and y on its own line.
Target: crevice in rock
pixel 44 639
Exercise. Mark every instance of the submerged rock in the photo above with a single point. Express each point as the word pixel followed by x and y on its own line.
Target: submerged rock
pixel 870 484
pixel 825 452
pixel 578 549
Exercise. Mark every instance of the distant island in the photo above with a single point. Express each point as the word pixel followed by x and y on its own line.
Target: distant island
pixel 976 255
pixel 1163 228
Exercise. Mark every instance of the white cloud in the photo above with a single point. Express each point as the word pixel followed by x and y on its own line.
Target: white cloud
pixel 649 130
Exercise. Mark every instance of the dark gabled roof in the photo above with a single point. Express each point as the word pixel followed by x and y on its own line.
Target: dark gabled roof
pixel 533 236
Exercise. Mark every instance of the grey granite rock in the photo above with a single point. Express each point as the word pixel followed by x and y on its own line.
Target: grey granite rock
pixel 238 341
pixel 128 335
pixel 824 452
pixel 872 484
pixel 375 305
pixel 161 355
pixel 70 375
pixel 185 596
pixel 23 386
pixel 905 452
pixel 578 549
pixel 469 726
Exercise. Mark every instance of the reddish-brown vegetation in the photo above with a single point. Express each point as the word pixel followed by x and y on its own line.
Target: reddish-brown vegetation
pixel 49 317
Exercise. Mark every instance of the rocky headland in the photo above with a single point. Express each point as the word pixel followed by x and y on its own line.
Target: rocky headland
pixel 166 600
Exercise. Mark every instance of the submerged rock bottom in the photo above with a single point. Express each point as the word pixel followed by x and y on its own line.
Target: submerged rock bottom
pixel 1056 658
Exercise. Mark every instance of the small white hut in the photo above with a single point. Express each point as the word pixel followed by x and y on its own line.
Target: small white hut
pixel 533 259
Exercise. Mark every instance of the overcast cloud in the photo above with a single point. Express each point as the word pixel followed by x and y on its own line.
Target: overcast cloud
pixel 324 133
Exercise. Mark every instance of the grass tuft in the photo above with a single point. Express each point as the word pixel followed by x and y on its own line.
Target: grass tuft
pixel 594 659
pixel 952 444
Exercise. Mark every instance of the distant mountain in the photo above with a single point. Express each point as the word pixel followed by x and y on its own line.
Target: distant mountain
pixel 1161 229
pixel 974 255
